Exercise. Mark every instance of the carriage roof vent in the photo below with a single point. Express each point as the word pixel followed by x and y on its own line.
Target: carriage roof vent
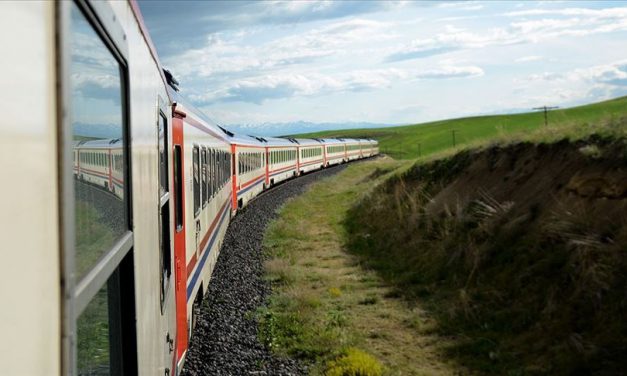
pixel 174 84
pixel 228 133
pixel 260 139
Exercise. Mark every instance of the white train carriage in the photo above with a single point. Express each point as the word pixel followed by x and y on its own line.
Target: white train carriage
pixel 369 147
pixel 310 155
pixel 100 162
pixel 353 149
pixel 282 159
pixel 202 180
pixel 249 175
pixel 111 279
pixel 334 151
pixel 373 147
pixel 96 293
pixel 364 146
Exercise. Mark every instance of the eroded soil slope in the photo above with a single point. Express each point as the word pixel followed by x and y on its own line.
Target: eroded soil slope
pixel 520 252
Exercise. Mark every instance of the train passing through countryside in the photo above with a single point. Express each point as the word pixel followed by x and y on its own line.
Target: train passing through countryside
pixel 116 192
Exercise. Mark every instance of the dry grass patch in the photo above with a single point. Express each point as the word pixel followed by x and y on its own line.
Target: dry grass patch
pixel 333 312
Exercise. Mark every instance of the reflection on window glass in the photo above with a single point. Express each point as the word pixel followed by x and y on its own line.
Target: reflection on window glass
pixel 96 117
pixel 163 160
pixel 92 329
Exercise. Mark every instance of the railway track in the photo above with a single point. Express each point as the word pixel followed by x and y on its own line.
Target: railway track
pixel 225 340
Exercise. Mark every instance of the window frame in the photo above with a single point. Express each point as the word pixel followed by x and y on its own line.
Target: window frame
pixel 203 177
pixel 196 194
pixel 115 266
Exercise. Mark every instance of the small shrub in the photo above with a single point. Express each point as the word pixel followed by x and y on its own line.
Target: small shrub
pixel 335 292
pixel 591 151
pixel 354 363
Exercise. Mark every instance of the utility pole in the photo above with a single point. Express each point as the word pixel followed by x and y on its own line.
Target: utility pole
pixel 546 110
pixel 453 133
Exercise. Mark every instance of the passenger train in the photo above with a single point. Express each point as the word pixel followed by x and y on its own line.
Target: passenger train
pixel 117 192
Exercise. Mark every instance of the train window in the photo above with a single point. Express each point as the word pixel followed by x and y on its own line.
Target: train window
pixel 163 157
pixel 225 168
pixel 93 347
pixel 178 187
pixel 218 166
pixel 210 157
pixel 203 177
pixel 222 167
pixel 196 179
pixel 212 177
pixel 97 217
pixel 96 98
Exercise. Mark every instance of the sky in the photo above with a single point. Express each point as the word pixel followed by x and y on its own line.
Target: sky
pixel 391 62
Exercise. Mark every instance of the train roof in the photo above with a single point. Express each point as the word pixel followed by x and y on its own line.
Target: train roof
pixel 281 141
pixel 331 141
pixel 105 143
pixel 190 109
pixel 308 141
pixel 350 140
pixel 243 139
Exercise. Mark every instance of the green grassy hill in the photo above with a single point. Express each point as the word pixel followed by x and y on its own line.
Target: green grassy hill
pixel 412 141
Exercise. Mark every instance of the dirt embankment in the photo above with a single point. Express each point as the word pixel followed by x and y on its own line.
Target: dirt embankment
pixel 518 251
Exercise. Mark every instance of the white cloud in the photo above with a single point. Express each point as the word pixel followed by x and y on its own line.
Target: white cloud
pixel 462 5
pixel 222 55
pixel 593 83
pixel 594 13
pixel 450 72
pixel 528 59
pixel 276 86
pixel 578 22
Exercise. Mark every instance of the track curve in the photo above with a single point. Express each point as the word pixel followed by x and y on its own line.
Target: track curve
pixel 225 340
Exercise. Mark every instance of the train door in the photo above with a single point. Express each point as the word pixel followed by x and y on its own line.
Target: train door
pixel 234 170
pixel 180 258
pixel 267 157
pixel 168 309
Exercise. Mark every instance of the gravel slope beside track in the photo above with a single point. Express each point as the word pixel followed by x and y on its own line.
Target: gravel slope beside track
pixel 225 340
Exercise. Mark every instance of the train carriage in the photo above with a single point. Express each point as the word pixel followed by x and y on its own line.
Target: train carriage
pixel 249 168
pixel 374 147
pixel 98 285
pixel 334 151
pixel 282 159
pixel 202 177
pixel 99 162
pixel 310 155
pixel 353 149
pixel 132 187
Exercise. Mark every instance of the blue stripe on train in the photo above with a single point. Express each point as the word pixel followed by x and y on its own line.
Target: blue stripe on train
pixel 262 178
pixel 201 264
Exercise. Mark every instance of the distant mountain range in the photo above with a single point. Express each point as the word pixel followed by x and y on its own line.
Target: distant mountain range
pixel 95 131
pixel 288 128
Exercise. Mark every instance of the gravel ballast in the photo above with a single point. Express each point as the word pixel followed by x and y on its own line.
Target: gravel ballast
pixel 225 340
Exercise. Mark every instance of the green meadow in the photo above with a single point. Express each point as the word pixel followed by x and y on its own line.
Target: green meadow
pixel 413 141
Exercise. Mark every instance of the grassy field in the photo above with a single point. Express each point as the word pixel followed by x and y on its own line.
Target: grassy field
pixel 369 267
pixel 413 141
pixel 326 308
